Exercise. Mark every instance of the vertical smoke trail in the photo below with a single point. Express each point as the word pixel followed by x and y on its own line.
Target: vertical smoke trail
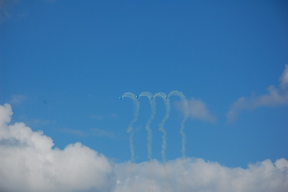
pixel 183 150
pixel 149 137
pixel 130 130
pixel 161 126
pixel 164 137
pixel 153 112
pixel 130 127
pixel 185 103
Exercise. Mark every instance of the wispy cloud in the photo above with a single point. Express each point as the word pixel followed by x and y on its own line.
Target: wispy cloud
pixel 76 132
pixel 103 133
pixel 17 99
pixel 102 117
pixel 5 6
pixel 274 97
pixel 90 132
pixel 97 117
pixel 40 122
pixel 197 109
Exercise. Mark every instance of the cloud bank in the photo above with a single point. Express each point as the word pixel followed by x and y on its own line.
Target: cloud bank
pixel 29 163
pixel 274 97
pixel 198 175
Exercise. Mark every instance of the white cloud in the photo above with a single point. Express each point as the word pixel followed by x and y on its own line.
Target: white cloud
pixel 284 78
pixel 273 97
pixel 198 175
pixel 197 109
pixel 5 115
pixel 28 162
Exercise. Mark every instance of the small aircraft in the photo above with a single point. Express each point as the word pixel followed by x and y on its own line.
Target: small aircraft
pixel 137 96
pixel 120 98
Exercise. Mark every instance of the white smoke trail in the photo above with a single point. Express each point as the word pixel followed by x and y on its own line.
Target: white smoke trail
pixel 161 126
pixel 149 137
pixel 183 150
pixel 153 112
pixel 185 103
pixel 130 127
pixel 130 130
pixel 164 137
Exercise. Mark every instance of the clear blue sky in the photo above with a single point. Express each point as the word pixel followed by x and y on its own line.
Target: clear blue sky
pixel 63 65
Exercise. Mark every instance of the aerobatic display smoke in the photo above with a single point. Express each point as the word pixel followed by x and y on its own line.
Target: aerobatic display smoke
pixel 161 126
pixel 185 105
pixel 166 99
pixel 130 127
pixel 183 150
pixel 149 137
pixel 153 112
pixel 131 131
pixel 164 137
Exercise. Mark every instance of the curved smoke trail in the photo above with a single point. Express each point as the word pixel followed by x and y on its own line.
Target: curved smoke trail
pixel 183 150
pixel 185 104
pixel 164 137
pixel 130 127
pixel 149 137
pixel 153 112
pixel 161 126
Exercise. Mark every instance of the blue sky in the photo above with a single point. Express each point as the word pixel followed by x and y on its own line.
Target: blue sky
pixel 65 63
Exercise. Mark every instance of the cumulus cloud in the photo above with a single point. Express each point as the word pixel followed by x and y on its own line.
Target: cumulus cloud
pixel 28 162
pixel 273 97
pixel 198 175
pixel 197 109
